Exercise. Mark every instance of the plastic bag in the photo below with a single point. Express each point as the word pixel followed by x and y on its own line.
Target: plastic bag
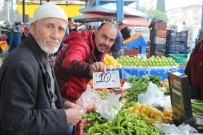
pixel 154 96
pixel 109 108
pixel 89 100
pixel 171 129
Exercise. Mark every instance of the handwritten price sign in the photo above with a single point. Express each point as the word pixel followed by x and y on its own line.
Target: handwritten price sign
pixel 106 80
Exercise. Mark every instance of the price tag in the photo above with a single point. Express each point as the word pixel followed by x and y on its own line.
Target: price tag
pixel 109 79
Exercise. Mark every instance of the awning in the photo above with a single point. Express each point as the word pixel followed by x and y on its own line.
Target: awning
pixel 110 10
pixel 91 18
pixel 137 22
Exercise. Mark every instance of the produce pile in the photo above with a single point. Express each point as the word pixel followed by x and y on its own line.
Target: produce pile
pixel 139 85
pixel 197 108
pixel 126 61
pixel 133 118
pixel 124 124
pixel 3 45
pixel 153 61
pixel 130 39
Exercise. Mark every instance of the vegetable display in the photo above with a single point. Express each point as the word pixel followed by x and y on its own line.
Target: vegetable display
pixel 124 124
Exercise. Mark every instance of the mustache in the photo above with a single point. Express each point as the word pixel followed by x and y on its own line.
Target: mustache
pixel 104 45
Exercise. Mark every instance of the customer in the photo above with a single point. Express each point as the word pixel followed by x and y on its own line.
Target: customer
pixel 14 39
pixel 80 57
pixel 117 48
pixel 124 30
pixel 194 70
pixel 30 102
pixel 72 26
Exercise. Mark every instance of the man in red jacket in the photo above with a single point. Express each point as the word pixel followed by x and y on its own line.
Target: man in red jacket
pixel 80 57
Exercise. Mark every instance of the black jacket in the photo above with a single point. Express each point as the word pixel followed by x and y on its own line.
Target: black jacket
pixel 25 107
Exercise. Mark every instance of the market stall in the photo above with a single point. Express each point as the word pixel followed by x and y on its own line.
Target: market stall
pixel 140 71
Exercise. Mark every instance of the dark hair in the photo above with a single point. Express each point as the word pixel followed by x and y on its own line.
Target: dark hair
pixel 69 19
pixel 121 23
pixel 104 24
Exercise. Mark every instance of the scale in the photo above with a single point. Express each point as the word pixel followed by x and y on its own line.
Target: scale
pixel 181 101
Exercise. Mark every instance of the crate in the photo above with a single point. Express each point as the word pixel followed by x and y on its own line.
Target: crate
pixel 179 58
pixel 177 46
pixel 177 36
pixel 157 40
pixel 159 33
pixel 157 47
pixel 159 54
pixel 132 52
pixel 160 25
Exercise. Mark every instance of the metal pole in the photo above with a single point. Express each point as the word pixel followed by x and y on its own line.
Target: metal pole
pixel 97 2
pixel 120 4
pixel 202 18
pixel 137 4
pixel 23 8
pixel 11 13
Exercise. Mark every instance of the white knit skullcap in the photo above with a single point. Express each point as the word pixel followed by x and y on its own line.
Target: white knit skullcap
pixel 49 10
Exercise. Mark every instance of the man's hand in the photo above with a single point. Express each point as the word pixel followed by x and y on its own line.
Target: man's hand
pixel 97 67
pixel 73 115
pixel 69 104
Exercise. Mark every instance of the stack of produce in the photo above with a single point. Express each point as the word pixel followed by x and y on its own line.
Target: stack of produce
pixel 153 61
pixel 134 37
pixel 150 114
pixel 139 85
pixel 124 124
pixel 197 108
pixel 3 45
pixel 110 61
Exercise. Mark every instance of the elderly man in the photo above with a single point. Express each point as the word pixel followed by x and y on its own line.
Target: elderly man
pixel 30 102
pixel 80 57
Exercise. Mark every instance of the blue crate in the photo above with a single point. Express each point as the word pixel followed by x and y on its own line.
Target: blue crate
pixel 158 47
pixel 176 47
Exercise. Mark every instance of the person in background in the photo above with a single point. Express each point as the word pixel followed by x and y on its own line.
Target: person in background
pixel 14 39
pixel 25 33
pixel 80 57
pixel 72 26
pixel 194 70
pixel 30 102
pixel 117 49
pixel 124 30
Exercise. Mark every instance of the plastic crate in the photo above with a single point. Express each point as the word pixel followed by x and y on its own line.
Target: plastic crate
pixel 177 46
pixel 179 58
pixel 132 52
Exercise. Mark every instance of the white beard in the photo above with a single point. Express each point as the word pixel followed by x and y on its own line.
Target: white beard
pixel 48 50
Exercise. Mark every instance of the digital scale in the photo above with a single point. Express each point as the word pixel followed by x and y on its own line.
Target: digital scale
pixel 181 101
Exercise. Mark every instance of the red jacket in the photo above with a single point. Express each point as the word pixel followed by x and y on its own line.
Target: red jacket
pixel 73 63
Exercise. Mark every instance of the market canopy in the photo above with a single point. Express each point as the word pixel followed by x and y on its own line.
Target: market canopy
pixel 110 10
pixel 137 22
pixel 91 18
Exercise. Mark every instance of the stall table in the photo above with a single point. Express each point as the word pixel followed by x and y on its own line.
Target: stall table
pixel 141 71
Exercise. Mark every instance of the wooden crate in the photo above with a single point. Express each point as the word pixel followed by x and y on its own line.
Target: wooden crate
pixel 132 52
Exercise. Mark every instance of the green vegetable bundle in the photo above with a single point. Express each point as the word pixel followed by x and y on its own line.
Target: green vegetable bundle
pixel 123 124
pixel 140 85
pixel 197 108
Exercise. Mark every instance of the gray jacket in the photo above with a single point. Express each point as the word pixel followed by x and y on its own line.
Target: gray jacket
pixel 25 106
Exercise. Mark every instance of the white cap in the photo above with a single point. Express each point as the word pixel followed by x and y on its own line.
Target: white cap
pixel 49 10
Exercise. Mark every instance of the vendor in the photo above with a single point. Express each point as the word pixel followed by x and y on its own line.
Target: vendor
pixel 194 70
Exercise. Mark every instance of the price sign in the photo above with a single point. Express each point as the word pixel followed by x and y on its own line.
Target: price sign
pixel 109 79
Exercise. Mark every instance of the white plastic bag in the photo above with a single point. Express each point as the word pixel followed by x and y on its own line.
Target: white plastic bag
pixel 155 97
pixel 171 129
pixel 151 96
pixel 89 100
pixel 109 107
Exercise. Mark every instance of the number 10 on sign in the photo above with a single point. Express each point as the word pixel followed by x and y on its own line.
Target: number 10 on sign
pixel 109 79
